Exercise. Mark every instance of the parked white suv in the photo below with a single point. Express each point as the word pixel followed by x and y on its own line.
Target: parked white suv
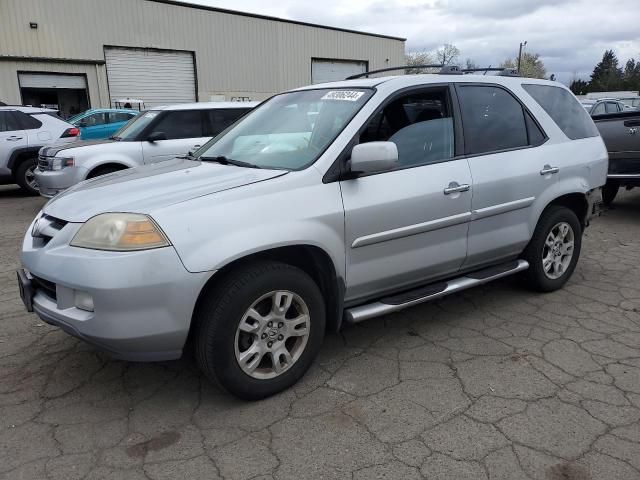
pixel 153 136
pixel 23 131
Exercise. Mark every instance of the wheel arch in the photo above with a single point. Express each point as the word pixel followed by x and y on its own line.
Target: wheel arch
pixel 311 259
pixel 576 201
pixel 116 165
pixel 20 154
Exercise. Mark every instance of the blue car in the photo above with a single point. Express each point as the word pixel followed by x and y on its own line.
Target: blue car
pixel 101 123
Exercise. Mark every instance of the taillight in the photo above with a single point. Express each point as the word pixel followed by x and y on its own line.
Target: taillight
pixel 71 132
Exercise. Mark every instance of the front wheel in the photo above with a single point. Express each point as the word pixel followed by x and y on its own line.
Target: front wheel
pixel 258 330
pixel 25 176
pixel 554 249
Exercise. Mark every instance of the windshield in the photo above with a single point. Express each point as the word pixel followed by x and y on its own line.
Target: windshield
pixel 75 118
pixel 290 131
pixel 133 127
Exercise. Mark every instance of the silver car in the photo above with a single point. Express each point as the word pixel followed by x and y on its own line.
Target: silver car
pixel 328 204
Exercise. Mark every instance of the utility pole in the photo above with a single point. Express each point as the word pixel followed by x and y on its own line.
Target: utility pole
pixel 522 44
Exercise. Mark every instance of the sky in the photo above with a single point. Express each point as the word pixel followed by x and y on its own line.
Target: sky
pixel 569 35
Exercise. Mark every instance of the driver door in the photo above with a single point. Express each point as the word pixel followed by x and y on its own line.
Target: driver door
pixel 183 131
pixel 409 225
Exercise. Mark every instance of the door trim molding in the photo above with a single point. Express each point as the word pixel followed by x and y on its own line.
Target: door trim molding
pixel 501 208
pixel 410 230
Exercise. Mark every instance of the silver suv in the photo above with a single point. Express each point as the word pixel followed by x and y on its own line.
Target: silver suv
pixel 327 204
pixel 23 131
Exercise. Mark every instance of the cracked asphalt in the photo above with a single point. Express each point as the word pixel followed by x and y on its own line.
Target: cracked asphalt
pixel 494 383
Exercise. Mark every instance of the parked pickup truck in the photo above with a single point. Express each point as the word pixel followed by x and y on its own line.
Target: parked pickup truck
pixel 330 203
pixel 621 135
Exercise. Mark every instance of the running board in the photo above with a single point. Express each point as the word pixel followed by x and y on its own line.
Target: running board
pixel 433 291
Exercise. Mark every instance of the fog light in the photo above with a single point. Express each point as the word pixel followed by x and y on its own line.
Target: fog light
pixel 84 301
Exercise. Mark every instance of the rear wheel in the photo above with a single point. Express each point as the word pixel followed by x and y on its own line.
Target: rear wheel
pixel 25 176
pixel 609 192
pixel 554 249
pixel 259 329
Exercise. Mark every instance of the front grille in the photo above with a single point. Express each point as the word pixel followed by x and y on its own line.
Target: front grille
pixel 43 163
pixel 45 286
pixel 47 227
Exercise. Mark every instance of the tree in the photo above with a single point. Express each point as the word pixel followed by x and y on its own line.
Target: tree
pixel 531 65
pixel 631 75
pixel 579 87
pixel 418 58
pixel 607 75
pixel 448 54
pixel 470 64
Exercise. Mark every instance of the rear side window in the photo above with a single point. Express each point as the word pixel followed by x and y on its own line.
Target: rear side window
pixel 493 120
pixel 219 119
pixel 8 122
pixel 27 122
pixel 181 124
pixel 565 110
pixel 117 117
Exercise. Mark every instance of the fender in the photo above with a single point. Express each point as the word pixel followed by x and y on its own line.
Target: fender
pixel 20 151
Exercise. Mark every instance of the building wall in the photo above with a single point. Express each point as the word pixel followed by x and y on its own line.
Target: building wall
pixel 235 55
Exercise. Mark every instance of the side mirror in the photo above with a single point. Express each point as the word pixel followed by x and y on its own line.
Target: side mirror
pixel 156 136
pixel 373 157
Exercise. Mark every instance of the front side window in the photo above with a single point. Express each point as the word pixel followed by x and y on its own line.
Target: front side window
pixel 420 124
pixel 289 131
pixel 180 124
pixel 131 130
pixel 565 110
pixel 492 118
pixel 599 110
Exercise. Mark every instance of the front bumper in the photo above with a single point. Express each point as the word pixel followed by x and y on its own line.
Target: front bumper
pixel 143 301
pixel 52 182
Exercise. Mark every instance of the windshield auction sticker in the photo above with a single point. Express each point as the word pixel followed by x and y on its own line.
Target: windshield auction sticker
pixel 345 95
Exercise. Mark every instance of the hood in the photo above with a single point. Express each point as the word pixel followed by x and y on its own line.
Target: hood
pixel 53 150
pixel 143 189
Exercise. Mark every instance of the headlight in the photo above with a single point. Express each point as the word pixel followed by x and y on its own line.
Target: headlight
pixel 120 232
pixel 58 163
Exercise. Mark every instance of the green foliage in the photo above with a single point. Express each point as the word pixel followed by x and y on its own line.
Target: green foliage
pixel 579 87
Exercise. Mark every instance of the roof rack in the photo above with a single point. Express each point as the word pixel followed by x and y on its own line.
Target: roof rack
pixel 391 69
pixel 444 70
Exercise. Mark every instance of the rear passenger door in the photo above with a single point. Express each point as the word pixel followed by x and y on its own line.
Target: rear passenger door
pixel 12 136
pixel 508 175
pixel 408 225
pixel 183 130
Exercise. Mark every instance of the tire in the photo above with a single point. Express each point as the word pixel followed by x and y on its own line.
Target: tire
pixel 102 171
pixel 23 175
pixel 609 192
pixel 220 344
pixel 538 250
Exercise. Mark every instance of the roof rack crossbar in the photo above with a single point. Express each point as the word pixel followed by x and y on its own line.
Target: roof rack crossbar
pixel 504 72
pixel 391 69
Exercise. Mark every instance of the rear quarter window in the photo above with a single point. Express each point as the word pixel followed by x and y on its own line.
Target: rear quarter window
pixel 564 109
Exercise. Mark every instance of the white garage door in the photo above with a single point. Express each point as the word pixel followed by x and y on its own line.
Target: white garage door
pixel 51 80
pixel 331 70
pixel 158 77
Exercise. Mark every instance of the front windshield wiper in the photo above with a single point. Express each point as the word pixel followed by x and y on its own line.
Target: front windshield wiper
pixel 228 161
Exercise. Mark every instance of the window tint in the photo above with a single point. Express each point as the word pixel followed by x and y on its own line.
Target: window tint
pixel 181 124
pixel 117 117
pixel 27 122
pixel 536 135
pixel 218 120
pixel 492 119
pixel 94 120
pixel 420 124
pixel 611 107
pixel 599 110
pixel 565 110
pixel 8 122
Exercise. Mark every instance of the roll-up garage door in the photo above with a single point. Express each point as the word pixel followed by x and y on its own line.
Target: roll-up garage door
pixel 331 70
pixel 158 77
pixel 52 80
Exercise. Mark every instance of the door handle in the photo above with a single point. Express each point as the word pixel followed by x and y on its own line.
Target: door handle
pixel 13 139
pixel 454 187
pixel 549 170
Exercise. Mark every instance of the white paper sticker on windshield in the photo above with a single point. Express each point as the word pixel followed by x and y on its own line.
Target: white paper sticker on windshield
pixel 347 95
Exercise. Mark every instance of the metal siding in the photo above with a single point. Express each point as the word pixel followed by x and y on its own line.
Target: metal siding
pixel 235 55
pixel 323 71
pixel 157 77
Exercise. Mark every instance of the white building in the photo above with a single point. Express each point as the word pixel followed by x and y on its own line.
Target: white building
pixel 76 54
